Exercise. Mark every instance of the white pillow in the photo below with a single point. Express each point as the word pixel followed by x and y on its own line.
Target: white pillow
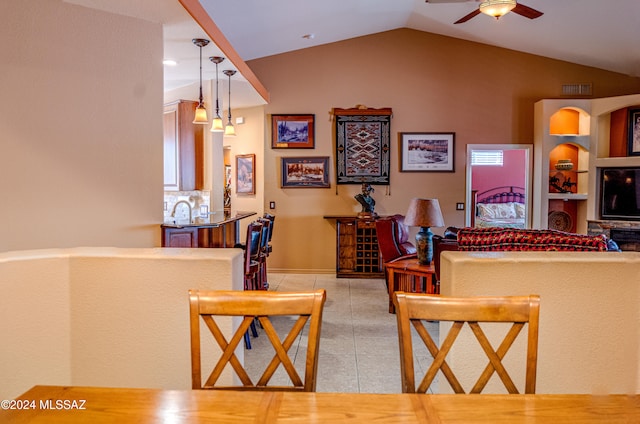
pixel 520 210
pixel 496 210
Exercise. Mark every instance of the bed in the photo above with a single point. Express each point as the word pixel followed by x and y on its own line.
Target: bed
pixel 502 206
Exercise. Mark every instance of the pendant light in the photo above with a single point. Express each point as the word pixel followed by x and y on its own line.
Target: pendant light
pixel 229 130
pixel 497 8
pixel 217 125
pixel 201 112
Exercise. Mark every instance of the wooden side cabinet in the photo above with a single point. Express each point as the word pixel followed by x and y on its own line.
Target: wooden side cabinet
pixel 180 237
pixel 357 252
pixel 183 148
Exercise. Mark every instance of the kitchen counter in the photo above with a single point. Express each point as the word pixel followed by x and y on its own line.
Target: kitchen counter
pixel 217 229
pixel 214 219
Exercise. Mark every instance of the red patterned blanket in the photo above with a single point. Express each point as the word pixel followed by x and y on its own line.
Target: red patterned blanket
pixel 506 239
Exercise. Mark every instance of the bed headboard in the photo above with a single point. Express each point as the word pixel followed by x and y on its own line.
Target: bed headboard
pixel 501 194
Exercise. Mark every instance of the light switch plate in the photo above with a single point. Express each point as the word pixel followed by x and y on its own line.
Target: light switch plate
pixel 459 206
pixel 272 205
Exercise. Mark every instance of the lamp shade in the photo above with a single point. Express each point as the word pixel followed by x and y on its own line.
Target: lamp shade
pixel 201 115
pixel 217 125
pixel 229 130
pixel 497 8
pixel 424 213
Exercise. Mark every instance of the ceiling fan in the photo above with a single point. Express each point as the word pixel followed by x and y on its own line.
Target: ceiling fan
pixel 495 8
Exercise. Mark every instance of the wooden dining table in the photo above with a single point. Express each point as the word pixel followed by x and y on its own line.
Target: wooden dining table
pixel 60 404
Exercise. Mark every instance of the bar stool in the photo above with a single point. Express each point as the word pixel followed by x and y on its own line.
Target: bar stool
pixel 263 254
pixel 271 218
pixel 252 268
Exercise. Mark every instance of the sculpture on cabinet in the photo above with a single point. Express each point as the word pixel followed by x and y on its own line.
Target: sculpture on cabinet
pixel 367 202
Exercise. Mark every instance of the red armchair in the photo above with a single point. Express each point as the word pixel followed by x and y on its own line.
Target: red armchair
pixel 393 239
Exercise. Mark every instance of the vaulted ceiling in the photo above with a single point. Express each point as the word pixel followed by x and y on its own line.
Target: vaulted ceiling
pixel 602 34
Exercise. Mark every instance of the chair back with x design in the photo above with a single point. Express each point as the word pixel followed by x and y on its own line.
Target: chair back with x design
pixel 415 309
pixel 209 307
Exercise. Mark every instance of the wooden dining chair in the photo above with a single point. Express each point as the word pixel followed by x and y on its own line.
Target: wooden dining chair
pixel 209 306
pixel 414 309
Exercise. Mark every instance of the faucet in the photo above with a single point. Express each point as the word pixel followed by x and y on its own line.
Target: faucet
pixel 173 212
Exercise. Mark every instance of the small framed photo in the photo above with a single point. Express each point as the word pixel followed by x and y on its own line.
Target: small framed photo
pixel 427 152
pixel 634 132
pixel 292 131
pixel 245 174
pixel 305 172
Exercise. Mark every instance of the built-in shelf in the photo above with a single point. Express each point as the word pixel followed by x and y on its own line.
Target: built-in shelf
pixel 567 196
pixel 620 161
pixel 569 122
pixel 577 171
pixel 597 130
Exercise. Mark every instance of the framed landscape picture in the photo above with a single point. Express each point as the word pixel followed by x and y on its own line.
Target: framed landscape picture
pixel 245 174
pixel 426 152
pixel 292 131
pixel 305 172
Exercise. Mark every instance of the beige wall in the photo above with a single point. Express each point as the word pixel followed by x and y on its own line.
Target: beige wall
pixel 433 83
pixel 106 317
pixel 249 140
pixel 80 127
pixel 589 338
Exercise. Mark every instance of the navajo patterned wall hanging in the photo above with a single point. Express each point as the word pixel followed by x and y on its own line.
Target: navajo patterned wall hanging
pixel 363 145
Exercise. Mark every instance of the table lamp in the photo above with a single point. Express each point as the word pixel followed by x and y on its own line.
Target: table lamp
pixel 424 213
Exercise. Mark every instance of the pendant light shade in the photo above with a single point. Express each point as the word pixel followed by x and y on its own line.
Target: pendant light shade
pixel 216 124
pixel 497 8
pixel 229 129
pixel 201 115
pixel 201 111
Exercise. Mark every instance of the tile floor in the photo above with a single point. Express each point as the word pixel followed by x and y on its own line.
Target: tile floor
pixel 359 340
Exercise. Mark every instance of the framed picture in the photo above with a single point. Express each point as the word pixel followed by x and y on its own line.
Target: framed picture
pixel 427 152
pixel 292 131
pixel 227 187
pixel 305 172
pixel 245 174
pixel 634 132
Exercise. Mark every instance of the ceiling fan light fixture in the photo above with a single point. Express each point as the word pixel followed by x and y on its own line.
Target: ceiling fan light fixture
pixel 497 8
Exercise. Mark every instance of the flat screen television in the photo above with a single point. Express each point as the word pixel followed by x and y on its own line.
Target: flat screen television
pixel 620 188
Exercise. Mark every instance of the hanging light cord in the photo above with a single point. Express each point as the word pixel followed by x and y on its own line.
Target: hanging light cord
pixel 217 101
pixel 230 96
pixel 229 73
pixel 200 76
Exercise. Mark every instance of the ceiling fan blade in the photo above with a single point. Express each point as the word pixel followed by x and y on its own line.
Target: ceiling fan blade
pixel 467 17
pixel 526 11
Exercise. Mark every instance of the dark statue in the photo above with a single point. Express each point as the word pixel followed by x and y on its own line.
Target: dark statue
pixel 365 199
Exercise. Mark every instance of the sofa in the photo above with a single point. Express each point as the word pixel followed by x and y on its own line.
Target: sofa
pixel 511 239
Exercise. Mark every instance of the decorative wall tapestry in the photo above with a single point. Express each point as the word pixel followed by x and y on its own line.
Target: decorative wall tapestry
pixel 363 145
